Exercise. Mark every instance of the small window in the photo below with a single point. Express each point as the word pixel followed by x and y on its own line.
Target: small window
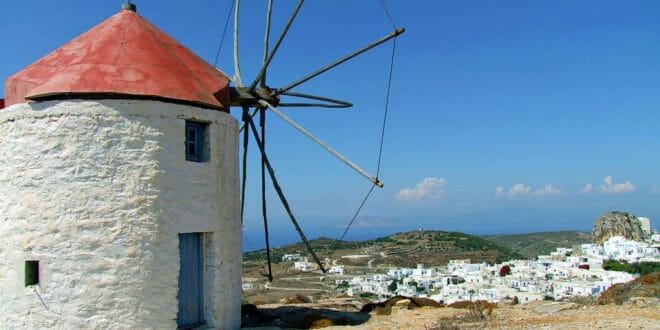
pixel 196 141
pixel 31 272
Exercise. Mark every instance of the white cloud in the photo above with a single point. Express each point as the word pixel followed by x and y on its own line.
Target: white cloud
pixel 429 188
pixel 547 190
pixel 611 187
pixel 588 189
pixel 520 189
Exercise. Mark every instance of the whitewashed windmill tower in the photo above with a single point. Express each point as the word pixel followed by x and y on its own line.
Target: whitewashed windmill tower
pixel 101 200
pixel 119 187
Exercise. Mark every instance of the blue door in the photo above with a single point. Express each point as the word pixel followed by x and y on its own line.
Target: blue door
pixel 191 289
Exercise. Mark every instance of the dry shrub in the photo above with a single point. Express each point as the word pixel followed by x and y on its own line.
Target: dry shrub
pixel 480 305
pixel 649 279
pixel 259 301
pixel 644 286
pixel 297 299
pixel 475 314
pixel 613 295
pixel 582 300
pixel 385 307
pixel 473 319
pixel 321 323
pixel 460 304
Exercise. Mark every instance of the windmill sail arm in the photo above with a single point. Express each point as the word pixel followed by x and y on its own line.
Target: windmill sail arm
pixel 269 12
pixel 322 144
pixel 237 69
pixel 312 105
pixel 316 73
pixel 262 71
pixel 329 103
pixel 280 193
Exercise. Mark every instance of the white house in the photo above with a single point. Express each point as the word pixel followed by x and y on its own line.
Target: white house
pixel 620 248
pixel 291 257
pixel 303 266
pixel 399 273
pixel 593 250
pixel 645 224
pixel 423 273
pixel 339 269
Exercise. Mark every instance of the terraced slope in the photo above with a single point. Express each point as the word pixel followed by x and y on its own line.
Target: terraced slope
pixel 432 248
pixel 534 244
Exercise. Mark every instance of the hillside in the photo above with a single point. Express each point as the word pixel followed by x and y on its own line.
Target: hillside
pixel 534 244
pixel 401 249
pixel 647 286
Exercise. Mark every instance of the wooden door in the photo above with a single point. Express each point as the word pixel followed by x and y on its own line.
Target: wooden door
pixel 191 288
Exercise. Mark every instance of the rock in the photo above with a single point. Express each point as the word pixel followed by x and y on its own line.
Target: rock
pixel 555 307
pixel 403 304
pixel 618 224
pixel 321 323
pixel 297 299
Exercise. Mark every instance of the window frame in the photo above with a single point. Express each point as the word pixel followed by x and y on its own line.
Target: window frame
pixel 197 143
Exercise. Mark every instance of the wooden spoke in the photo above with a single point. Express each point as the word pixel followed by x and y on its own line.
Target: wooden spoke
pixel 262 71
pixel 269 11
pixel 322 144
pixel 304 79
pixel 237 69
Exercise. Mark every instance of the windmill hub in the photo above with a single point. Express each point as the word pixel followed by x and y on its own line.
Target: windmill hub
pixel 242 96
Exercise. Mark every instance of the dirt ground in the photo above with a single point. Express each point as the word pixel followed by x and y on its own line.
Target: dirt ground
pixel 536 315
pixel 520 317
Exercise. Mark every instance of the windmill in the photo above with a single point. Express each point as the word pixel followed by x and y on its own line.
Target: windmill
pixel 257 97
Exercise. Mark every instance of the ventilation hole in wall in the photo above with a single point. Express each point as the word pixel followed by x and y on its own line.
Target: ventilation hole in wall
pixel 31 272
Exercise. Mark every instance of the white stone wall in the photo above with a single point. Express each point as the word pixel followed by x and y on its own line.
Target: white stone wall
pixel 97 191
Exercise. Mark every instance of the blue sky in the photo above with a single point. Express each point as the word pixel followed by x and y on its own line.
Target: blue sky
pixel 502 113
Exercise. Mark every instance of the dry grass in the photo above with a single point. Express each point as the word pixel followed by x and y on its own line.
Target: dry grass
pixel 582 300
pixel 297 299
pixel 644 286
pixel 385 307
pixel 482 306
pixel 475 316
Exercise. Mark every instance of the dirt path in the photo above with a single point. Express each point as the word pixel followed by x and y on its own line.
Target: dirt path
pixel 268 286
pixel 518 317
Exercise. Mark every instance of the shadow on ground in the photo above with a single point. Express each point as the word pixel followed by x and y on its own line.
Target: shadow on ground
pixel 298 317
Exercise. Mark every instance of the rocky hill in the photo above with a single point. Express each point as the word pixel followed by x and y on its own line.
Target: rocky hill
pixel 535 244
pixel 617 223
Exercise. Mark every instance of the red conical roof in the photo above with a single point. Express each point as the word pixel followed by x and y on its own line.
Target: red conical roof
pixel 124 55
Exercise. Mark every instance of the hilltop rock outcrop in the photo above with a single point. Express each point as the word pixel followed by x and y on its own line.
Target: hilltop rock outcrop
pixel 617 223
